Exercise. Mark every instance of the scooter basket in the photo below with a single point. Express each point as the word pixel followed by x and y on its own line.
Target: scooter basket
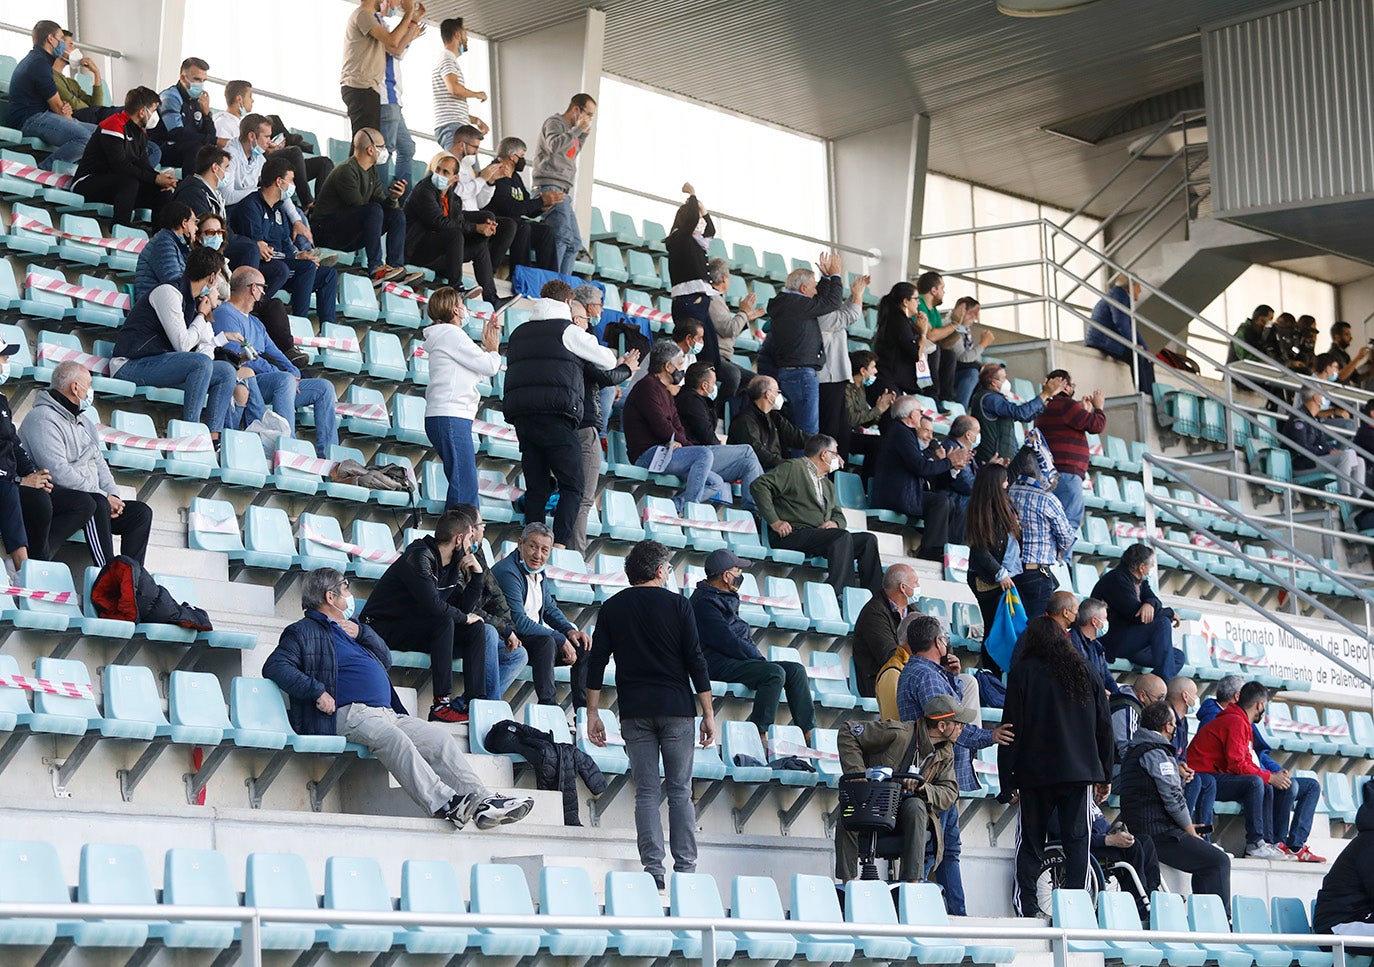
pixel 867 806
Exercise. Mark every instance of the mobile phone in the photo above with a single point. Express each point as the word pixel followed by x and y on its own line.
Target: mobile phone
pixel 1202 829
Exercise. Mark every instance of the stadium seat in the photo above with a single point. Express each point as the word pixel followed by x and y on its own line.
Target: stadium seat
pixel 499 888
pixel 923 905
pixel 623 229
pixel 196 878
pixel 384 357
pixel 608 262
pixel 281 881
pixel 482 715
pixel 610 758
pixel 190 464
pixel 756 898
pixel 567 891
pixel 1207 914
pixel 114 874
pixel 831 690
pixel 742 738
pixel 432 886
pixel 257 709
pixel 1073 909
pixel 695 895
pixel 30 872
pixel 1168 912
pixel 315 554
pixel 643 271
pixel 1289 915
pixel 818 600
pixel 634 895
pixel 706 762
pixel 357 300
pixel 826 741
pixel 814 900
pixel 1251 915
pixel 36 575
pixel 1340 797
pixel 355 883
pixel 402 313
pixel 267 538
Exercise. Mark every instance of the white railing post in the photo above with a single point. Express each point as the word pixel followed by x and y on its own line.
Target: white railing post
pixel 708 947
pixel 250 943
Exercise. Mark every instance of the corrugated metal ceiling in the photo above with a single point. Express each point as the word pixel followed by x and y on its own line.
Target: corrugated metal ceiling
pixel 989 82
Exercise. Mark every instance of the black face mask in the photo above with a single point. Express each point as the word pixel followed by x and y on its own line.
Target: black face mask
pixel 520 166
pixel 678 376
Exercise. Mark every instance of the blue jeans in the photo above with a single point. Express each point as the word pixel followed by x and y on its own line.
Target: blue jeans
pixel 452 438
pixel 965 382
pixel 562 221
pixel 443 134
pixel 607 401
pixel 286 394
pixel 502 666
pixel 1069 490
pixel 947 874
pixel 402 145
pixel 208 385
pixel 1249 792
pixel 672 739
pixel 736 463
pixel 305 278
pixel 363 227
pixel 1201 794
pixel 693 465
pixel 1290 816
pixel 801 385
pixel 67 136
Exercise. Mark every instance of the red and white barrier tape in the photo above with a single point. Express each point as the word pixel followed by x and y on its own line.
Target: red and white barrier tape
pixel 644 312
pixel 48 179
pixel 28 224
pixel 786 603
pixel 405 292
pixel 498 430
pixel 783 747
pixel 672 520
pixel 66 354
pixel 1235 658
pixel 57 286
pixel 341 343
pixel 616 580
pixel 64 689
pixel 1137 533
pixel 498 491
pixel 299 461
pixel 377 554
pixel 1279 724
pixel 374 412
pixel 205 524
pixel 832 673
pixel 956 563
pixel 56 597
pixel 196 443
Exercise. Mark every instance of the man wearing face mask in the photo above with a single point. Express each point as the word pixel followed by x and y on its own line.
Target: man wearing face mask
pixel 861 417
pixel 687 336
pixel 163 259
pixel 555 168
pixel 355 210
pixel 36 108
pixel 533 242
pixel 477 188
pixel 66 68
pixel 998 414
pixel 450 88
pixel 84 494
pixel 200 192
pixel 1200 789
pixel 248 155
pixel 1086 634
pixel 696 405
pixel 796 499
pixel 907 460
pixel 186 122
pixel 116 168
pixel 964 435
pixel 762 428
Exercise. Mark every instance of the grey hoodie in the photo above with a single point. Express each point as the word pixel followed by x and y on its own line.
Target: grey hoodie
pixel 67 446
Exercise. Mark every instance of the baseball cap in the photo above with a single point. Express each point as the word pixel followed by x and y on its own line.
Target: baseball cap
pixel 946 706
pixel 9 349
pixel 718 562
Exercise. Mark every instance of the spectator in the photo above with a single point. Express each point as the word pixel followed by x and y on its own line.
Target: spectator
pixel 729 325
pixel 794 336
pixel 116 169
pixel 908 460
pixel 263 219
pixel 1046 534
pixel 1066 425
pixel 1327 367
pixel 900 343
pixel 167 340
pixel 367 42
pixel 334 672
pixel 835 373
pixel 1113 843
pixel 186 123
pixel 993 534
pixel 238 95
pixel 1141 627
pixel 456 365
pixel 442 234
pixel 1306 436
pixel 651 634
pixel 561 139
pixel 1224 747
pixel 861 417
pixel 595 379
pixel 963 436
pixel 1345 902
pixel 354 211
pixel 426 602
pixel 932 670
pixel 36 108
pixel 889 676
pixel 796 499
pixel 1126 703
pixel 544 397
pixel 1086 635
pixel 532 242
pixel 998 412
pixel 476 189
pixel 163 259
pixel 549 637
pixel 276 380
pixel 85 107
pixel 200 192
pixel 84 496
pixel 1287 812
pixel 760 426
pixel 1302 354
pixel 926 744
pixel 393 125
pixel 448 86
pixel 687 336
pixel 1199 789
pixel 696 405
pixel 1153 804
pixel 732 656
pixel 1341 338
pixel 238 104
pixel 1113 316
pixel 1254 339
pixel 689 271
pixel 1063 747
pixel 875 629
pixel 19 509
pixel 967 351
pixel 248 157
pixel 944 337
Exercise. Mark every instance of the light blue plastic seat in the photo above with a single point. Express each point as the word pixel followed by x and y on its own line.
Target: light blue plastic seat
pixel 133 709
pixel 832 692
pixel 1319 744
pixel 791 735
pixel 608 262
pixel 1117 911
pixel 787 613
pixel 113 874
pixel 482 715
pixel 15 712
pixel 30 872
pixel 314 554
pixel 695 895
pixel 746 543
pixel 922 905
pixel 213 526
pixel 870 901
pixel 643 271
pixel 432 886
pixel 1168 912
pixel 814 900
pixel 92 313
pixel 612 758
pixel 373 536
pixel 1207 914
pixel 355 883
pixel 281 880
pixel 827 769
pixel 125 262
pixel 74 251
pixel 400 312
pixel 197 878
pixel 853 601
pixel 1073 909
pixel 267 538
pixel 384 357
pixel 824 610
pixel 341 360
pixel 1289 915
pixel 36 575
pixel 670 535
pixel 243 462
pixel 635 895
pixel 706 763
pixel 619 516
pixel 184 590
pixel 1340 797
pixel 567 891
pixel 500 888
pixel 63 714
pixel 192 464
pixel 30 241
pixel 1251 915
pixel 742 738
pixel 9 289
pixel 195 706
pixel 408 419
pixel 357 300
pixel 756 898
pixel 134 458
pixel 257 709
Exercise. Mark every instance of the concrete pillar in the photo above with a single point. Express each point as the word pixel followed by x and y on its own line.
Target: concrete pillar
pixel 878 190
pixel 536 73
pixel 127 26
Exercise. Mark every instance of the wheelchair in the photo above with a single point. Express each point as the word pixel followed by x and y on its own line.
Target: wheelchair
pixel 1116 877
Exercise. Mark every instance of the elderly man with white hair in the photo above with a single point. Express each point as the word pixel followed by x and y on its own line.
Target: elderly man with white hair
pixel 63 440
pixel 794 337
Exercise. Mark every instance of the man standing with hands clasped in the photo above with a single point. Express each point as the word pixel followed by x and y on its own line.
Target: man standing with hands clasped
pixel 651 633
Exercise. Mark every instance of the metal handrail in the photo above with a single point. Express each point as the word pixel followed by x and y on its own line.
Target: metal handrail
pixel 81 42
pixel 252 919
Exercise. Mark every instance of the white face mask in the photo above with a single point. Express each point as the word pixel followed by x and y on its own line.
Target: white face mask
pixel 779 401
pixel 87 401
pixel 1006 390
pixel 834 464
pixel 701 226
pixel 383 156
pixel 1102 632
pixel 153 119
pixel 5 371
pixel 348 606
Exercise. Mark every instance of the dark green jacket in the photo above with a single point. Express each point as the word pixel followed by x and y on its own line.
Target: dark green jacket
pixel 787 492
pixel 349 186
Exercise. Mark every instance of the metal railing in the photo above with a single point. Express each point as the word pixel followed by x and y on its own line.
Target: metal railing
pixel 81 42
pixel 252 919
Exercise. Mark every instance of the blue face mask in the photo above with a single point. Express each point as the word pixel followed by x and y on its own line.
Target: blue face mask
pixel 712 395
pixel 440 181
pixel 213 242
pixel 870 380
pixel 257 152
pixel 196 89
pixel 61 49
pixel 289 191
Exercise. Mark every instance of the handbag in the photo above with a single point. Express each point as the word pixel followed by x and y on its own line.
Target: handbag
pixel 1007 624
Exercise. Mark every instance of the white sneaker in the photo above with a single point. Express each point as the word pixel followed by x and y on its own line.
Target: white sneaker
pixel 500 810
pixel 1262 851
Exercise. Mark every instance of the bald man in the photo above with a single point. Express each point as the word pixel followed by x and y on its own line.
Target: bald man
pixel 875 629
pixel 1062 609
pixel 1199 788
pixel 355 210
pixel 1126 705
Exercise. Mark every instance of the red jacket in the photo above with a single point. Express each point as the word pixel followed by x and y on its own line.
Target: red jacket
pixel 1066 424
pixel 1226 745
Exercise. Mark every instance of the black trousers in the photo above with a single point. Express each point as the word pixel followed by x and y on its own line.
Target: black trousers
pixel 445 251
pixel 316 169
pixel 944 375
pixel 550 450
pixel 1141 855
pixel 125 194
pixel 544 656
pixel 51 520
pixel 833 420
pixel 1210 866
pixel 364 107
pixel 533 245
pixel 843 550
pixel 939 520
pixel 1067 803
pixel 440 638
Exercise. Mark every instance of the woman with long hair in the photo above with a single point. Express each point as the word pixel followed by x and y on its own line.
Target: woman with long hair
pixel 899 340
pixel 993 534
pixel 1058 710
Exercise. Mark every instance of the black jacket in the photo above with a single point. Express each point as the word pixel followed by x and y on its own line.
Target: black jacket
pixel 597 379
pixel 985 562
pixel 1347 893
pixel 511 199
pixel 141 333
pixel 794 335
pixel 196 127
pixel 1308 434
pixel 724 634
pixel 1142 809
pixel 118 147
pixel 426 223
pixel 15 461
pixel 698 416
pixel 904 469
pixel 1057 741
pixel 771 435
pixel 417 587
pixel 543 378
pixel 196 193
pixel 687 260
pixel 898 349
pixel 1117 589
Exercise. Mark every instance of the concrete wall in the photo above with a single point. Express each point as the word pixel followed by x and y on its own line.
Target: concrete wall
pixel 876 177
pixel 127 26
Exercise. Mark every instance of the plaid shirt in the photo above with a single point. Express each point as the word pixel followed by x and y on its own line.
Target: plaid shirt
pixel 921 681
pixel 1046 534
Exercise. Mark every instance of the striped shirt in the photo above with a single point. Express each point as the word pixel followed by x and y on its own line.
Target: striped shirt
pixel 391 76
pixel 447 108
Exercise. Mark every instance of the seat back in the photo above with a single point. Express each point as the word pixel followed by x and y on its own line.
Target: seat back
pixel 1206 914
pixel 1073 909
pixel 431 886
pixel 868 901
pixel 256 704
pixel 278 880
pixel 131 695
pixel 64 670
pixel 13 701
pixel 567 891
pixel 549 718
pixel 354 883
pixel 921 905
pixel 1249 915
pixel 482 715
pixel 197 877
pixel 53 576
pixel 814 899
pixel 500 888
pixel 213 526
pixel 632 895
pixel 268 529
pixel 194 698
pixel 114 873
pixel 30 871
